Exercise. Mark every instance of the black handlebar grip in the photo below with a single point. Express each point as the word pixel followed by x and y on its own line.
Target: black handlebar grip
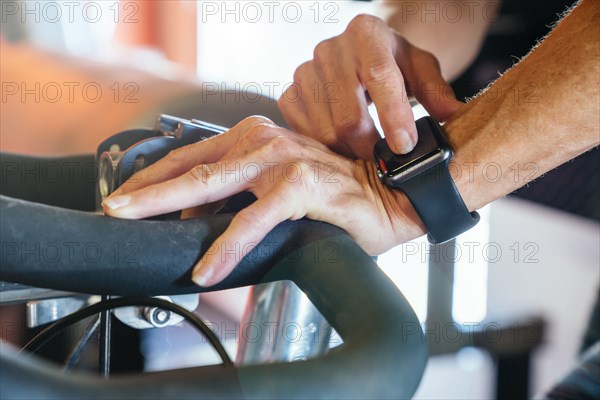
pixel 384 351
pixel 67 182
pixel 68 250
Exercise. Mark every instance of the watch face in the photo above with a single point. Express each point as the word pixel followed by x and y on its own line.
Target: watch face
pixel 431 149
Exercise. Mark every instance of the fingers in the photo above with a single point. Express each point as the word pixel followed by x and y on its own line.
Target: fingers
pixel 185 158
pixel 373 47
pixel 247 229
pixel 247 160
pixel 366 62
pixel 353 129
pixel 328 102
pixel 292 108
pixel 285 175
pixel 202 184
pixel 306 107
pixel 426 82
pixel 384 81
pixel 313 99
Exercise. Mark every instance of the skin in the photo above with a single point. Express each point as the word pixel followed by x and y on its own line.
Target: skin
pixel 367 63
pixel 370 63
pixel 542 113
pixel 528 133
pixel 299 177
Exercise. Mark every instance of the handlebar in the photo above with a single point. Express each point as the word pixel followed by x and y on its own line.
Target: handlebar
pixel 384 351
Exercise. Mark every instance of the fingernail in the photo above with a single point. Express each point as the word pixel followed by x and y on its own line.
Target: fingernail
pixel 202 274
pixel 116 202
pixel 407 143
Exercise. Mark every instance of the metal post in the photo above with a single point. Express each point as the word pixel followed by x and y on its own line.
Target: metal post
pixel 104 356
pixel 281 324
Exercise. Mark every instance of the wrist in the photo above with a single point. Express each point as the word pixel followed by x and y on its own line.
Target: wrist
pixel 394 203
pixel 423 177
pixel 458 130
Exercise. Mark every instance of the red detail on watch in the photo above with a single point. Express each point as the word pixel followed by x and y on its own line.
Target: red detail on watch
pixel 382 166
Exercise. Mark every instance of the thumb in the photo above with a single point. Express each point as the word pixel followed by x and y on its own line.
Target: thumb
pixel 425 81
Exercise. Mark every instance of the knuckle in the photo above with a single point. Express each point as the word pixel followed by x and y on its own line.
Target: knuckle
pixel 176 156
pixel 348 123
pixel 379 71
pixel 254 120
pixel 199 174
pixel 305 172
pixel 260 132
pixel 288 106
pixel 301 73
pixel 362 22
pixel 251 219
pixel 281 145
pixel 322 50
pixel 305 167
pixel 282 103
pixel 329 136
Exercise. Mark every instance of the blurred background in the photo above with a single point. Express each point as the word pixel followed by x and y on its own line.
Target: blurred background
pixel 75 72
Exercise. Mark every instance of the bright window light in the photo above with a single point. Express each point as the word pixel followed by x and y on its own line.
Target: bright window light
pixel 89 27
pixel 407 266
pixel 256 46
pixel 469 304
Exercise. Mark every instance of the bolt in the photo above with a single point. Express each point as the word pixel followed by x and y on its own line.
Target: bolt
pixel 158 317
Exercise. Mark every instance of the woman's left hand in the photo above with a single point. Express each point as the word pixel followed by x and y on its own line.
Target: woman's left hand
pixel 291 175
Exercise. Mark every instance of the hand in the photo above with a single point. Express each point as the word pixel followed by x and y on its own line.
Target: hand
pixel 292 177
pixel 368 62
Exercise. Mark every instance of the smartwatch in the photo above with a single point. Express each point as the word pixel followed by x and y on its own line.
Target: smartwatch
pixel 423 176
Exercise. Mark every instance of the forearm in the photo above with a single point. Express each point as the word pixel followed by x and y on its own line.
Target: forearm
pixel 453 31
pixel 540 114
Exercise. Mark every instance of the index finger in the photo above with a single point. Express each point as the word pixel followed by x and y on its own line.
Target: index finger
pixel 385 84
pixel 181 160
pixel 202 184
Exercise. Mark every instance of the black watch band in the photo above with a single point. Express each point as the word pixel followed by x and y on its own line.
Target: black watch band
pixel 423 176
pixel 434 196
